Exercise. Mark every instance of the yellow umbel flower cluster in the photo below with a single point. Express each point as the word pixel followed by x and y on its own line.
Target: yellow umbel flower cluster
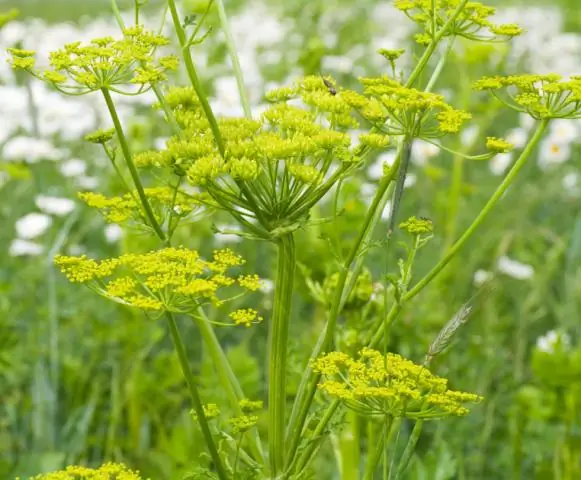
pixel 103 63
pixel 108 471
pixel 541 96
pixel 472 22
pixel 165 202
pixel 375 384
pixel 171 279
pixel 387 99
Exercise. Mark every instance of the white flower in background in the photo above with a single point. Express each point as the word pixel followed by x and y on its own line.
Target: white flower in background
pixel 481 277
pixel 367 192
pixel 87 183
pixel 113 233
pixel 570 183
pixel 563 131
pixel 410 180
pixel 375 170
pixel 518 137
pixel 422 151
pixel 469 134
pixel 500 162
pixel 21 248
pixel 31 150
pixel 58 206
pixel 341 64
pixel 226 100
pixel 386 211
pixel 76 250
pixel 160 143
pixel 514 268
pixel 32 225
pixel 223 235
pixel 73 167
pixel 526 121
pixel 552 152
pixel 553 339
pixel 266 286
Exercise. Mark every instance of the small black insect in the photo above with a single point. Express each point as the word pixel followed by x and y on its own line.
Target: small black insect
pixel 330 86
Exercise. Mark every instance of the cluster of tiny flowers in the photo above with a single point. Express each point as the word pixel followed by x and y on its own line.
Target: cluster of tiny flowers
pixel 165 201
pixel 472 22
pixel 386 99
pixel 417 226
pixel 171 279
pixel 211 411
pixel 375 384
pixel 276 161
pixel 103 63
pixel 242 423
pixel 541 96
pixel 108 471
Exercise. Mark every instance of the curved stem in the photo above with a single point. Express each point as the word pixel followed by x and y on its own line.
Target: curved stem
pixel 277 352
pixel 308 385
pixel 508 180
pixel 196 400
pixel 194 79
pixel 131 166
pixel 226 376
pixel 410 448
pixel 234 57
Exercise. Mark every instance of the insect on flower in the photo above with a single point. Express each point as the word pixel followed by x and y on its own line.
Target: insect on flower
pixel 330 86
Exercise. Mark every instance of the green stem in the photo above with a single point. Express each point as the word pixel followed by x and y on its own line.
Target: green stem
pixel 508 180
pixel 349 447
pixel 277 352
pixel 234 57
pixel 372 461
pixel 132 168
pixel 194 79
pixel 410 448
pixel 308 385
pixel 227 377
pixel 196 400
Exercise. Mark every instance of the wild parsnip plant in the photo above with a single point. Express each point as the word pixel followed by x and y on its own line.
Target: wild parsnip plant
pixel 279 175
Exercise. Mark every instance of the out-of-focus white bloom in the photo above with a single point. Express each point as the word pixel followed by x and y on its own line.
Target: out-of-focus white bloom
pixel 552 152
pixel 468 135
pixel 410 180
pixel 21 248
pixel 31 150
pixel 367 193
pixel 375 170
pixel 514 268
pixel 481 277
pixel 113 233
pixel 160 143
pixel 500 162
pixel 570 183
pixel 58 206
pixel 76 250
pixel 32 225
pixel 553 339
pixel 386 211
pixel 87 183
pixel 526 121
pixel 518 137
pixel 563 131
pixel 227 99
pixel 341 64
pixel 266 286
pixel 223 235
pixel 422 151
pixel 73 167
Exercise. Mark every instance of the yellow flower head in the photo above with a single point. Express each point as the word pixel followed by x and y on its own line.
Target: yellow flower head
pixel 104 63
pixel 104 472
pixel 375 384
pixel 171 279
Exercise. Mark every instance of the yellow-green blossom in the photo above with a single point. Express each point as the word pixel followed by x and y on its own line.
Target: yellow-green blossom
pixel 541 96
pixel 211 411
pixel 100 136
pixel 417 226
pixel 374 384
pixel 108 471
pixel 172 279
pixel 243 423
pixel 104 63
pixel 248 406
pixel 498 145
pixel 472 22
